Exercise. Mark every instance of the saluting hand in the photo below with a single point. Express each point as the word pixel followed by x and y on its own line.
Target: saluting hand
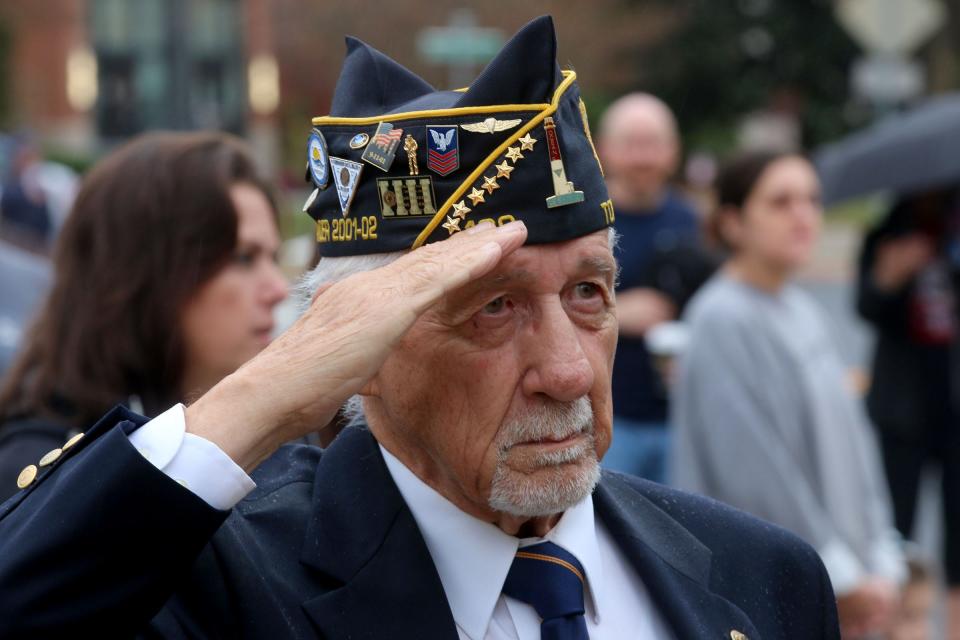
pixel 302 379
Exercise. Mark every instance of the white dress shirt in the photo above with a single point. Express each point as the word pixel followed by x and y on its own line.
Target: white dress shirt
pixel 472 557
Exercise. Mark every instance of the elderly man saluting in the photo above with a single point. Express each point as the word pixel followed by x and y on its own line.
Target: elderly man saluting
pixel 470 504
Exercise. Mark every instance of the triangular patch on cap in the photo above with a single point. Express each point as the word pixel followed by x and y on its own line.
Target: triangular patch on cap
pixel 346 177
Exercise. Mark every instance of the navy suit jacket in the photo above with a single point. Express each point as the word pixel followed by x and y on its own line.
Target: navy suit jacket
pixel 105 545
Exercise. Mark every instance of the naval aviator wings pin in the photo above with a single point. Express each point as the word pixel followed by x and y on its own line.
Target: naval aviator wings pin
pixel 382 146
pixel 490 125
pixel 346 177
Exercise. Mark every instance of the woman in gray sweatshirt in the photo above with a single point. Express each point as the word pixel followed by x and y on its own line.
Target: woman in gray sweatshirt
pixel 763 416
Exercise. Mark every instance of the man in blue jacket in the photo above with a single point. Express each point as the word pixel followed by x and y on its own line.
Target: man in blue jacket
pixel 465 302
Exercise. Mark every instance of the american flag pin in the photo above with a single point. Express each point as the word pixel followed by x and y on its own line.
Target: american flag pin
pixel 382 147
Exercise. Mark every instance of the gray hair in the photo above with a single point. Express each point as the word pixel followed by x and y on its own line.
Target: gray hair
pixel 331 270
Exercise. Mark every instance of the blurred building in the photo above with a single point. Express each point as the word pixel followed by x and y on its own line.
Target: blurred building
pixel 83 75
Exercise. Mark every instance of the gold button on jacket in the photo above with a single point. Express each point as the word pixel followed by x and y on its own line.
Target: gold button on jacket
pixel 50 457
pixel 72 441
pixel 27 476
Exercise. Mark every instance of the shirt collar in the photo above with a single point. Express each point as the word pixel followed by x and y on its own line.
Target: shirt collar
pixel 473 557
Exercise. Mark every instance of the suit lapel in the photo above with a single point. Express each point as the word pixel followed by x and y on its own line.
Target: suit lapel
pixel 364 538
pixel 673 564
pixel 383 583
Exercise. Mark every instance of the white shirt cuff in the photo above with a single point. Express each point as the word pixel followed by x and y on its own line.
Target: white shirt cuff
pixel 194 462
pixel 844 568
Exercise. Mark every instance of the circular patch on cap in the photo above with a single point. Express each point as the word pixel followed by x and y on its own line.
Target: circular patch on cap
pixel 318 159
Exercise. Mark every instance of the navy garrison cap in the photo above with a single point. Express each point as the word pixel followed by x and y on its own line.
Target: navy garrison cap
pixel 398 164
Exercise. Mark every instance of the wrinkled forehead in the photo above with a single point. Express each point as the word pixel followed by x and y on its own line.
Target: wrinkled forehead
pixel 549 267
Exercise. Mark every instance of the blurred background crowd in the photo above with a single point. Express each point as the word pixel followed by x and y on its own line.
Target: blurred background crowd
pixel 785 178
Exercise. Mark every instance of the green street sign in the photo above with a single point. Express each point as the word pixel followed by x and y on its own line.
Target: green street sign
pixel 459 45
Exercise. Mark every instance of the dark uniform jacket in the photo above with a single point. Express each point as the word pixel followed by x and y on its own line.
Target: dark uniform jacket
pixel 104 545
pixel 23 441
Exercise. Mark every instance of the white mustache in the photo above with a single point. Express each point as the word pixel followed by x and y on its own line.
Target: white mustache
pixel 551 420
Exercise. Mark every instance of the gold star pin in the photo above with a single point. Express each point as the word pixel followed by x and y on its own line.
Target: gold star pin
pixel 476 196
pixel 527 142
pixel 452 225
pixel 503 170
pixel 460 210
pixel 490 184
pixel 514 153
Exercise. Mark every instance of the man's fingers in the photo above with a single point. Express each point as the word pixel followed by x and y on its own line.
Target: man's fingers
pixel 462 243
pixel 427 273
pixel 388 300
pixel 477 261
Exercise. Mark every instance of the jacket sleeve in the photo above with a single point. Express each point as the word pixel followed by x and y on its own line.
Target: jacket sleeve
pixel 101 540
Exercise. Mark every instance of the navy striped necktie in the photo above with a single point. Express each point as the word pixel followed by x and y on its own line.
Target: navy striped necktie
pixel 550 579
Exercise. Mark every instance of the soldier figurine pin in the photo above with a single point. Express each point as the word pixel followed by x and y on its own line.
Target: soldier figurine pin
pixel 410 146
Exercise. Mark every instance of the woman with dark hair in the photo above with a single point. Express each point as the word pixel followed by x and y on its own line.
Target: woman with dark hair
pixel 165 281
pixel 762 415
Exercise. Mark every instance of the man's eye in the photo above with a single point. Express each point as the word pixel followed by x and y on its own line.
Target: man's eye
pixel 587 290
pixel 495 306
